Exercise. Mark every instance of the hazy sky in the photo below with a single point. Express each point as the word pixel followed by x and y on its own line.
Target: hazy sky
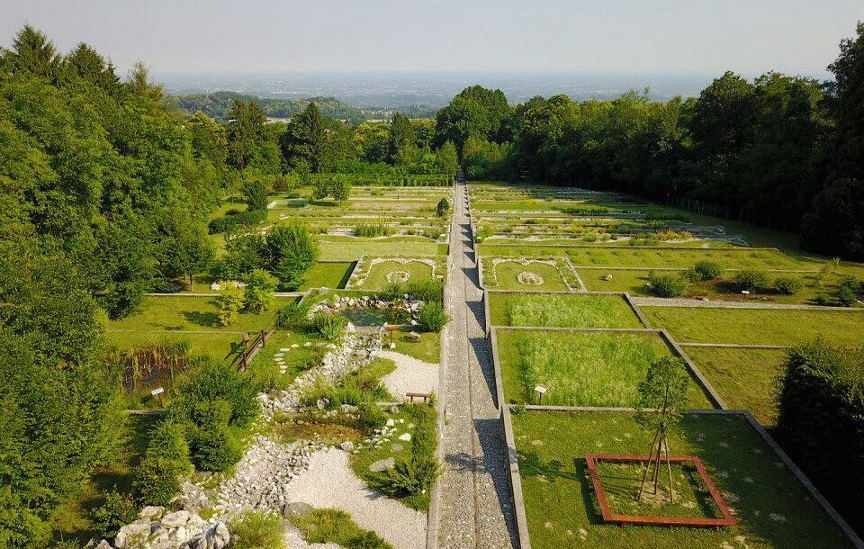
pixel 184 36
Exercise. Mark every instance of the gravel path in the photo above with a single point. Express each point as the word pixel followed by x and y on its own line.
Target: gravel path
pixel 684 302
pixel 330 483
pixel 410 375
pixel 476 509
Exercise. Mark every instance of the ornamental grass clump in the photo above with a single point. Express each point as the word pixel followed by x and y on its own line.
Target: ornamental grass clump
pixel 667 284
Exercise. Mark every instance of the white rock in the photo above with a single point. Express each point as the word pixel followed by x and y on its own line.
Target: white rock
pixel 347 446
pixel 390 422
pixel 175 519
pixel 406 437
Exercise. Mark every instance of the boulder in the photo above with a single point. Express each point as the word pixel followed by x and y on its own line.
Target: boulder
pixel 175 519
pixel 347 446
pixel 103 545
pixel 133 534
pixel 383 464
pixel 151 512
pixel 406 437
pixel 296 509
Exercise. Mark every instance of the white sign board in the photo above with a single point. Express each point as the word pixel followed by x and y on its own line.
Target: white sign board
pixel 158 391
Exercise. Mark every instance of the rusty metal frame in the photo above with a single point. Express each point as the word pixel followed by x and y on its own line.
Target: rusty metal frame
pixel 623 520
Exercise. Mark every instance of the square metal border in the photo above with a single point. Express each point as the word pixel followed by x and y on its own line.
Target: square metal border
pixel 656 520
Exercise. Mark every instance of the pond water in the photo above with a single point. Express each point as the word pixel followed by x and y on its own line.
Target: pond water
pixel 360 316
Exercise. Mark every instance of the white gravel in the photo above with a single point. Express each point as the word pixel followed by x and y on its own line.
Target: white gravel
pixel 411 375
pixel 330 483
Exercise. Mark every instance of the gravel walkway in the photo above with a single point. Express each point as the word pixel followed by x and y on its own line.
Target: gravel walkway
pixel 410 375
pixel 330 483
pixel 476 509
pixel 684 302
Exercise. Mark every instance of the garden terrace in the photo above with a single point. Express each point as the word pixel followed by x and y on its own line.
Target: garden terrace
pixel 190 318
pixel 757 326
pixel 562 311
pixel 528 275
pixel 580 368
pixel 772 508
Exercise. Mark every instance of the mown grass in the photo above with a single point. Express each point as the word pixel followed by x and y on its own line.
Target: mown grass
pixel 335 249
pixel 376 280
pixel 581 368
pixel 505 276
pixel 562 310
pixel 172 318
pixel 757 326
pixel 772 507
pixel 296 359
pixel 746 379
pixel 327 275
pixel 428 349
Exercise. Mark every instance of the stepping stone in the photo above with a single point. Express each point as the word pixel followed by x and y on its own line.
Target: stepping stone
pixel 294 345
pixel 307 344
pixel 406 437
pixel 397 448
pixel 285 349
pixel 390 422
pixel 383 464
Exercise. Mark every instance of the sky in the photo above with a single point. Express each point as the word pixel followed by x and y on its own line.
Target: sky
pixel 283 36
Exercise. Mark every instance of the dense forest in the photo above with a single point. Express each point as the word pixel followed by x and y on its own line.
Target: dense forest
pixel 781 151
pixel 216 105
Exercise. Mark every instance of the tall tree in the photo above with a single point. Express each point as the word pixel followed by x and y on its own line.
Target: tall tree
pixel 305 139
pixel 402 146
pixel 246 134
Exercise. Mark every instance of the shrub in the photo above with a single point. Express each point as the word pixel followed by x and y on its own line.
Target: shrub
pixel 787 285
pixel 821 407
pixel 750 280
pixel 229 302
pixel 218 381
pixel 294 315
pixel 442 208
pixel 117 511
pixel 258 293
pixel 848 291
pixel 257 529
pixel 708 270
pixel 433 234
pixel 236 220
pixel 156 480
pixel 409 477
pixel 427 290
pixel 373 229
pixel 667 284
pixel 432 317
pixel 824 300
pixel 256 192
pixel 215 447
pixel 371 416
pixel 329 325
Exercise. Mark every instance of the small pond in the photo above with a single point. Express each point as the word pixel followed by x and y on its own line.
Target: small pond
pixel 362 316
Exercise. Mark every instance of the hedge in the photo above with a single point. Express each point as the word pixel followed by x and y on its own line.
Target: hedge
pixel 233 221
pixel 821 422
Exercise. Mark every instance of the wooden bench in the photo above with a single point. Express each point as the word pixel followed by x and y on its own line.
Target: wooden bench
pixel 412 396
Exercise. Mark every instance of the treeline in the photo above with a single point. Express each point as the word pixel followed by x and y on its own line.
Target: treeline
pixel 216 105
pixel 781 151
pixel 103 192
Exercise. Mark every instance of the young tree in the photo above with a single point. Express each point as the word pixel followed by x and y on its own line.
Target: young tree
pixel 662 396
pixel 442 208
pixel 258 293
pixel 292 252
pixel 229 302
pixel 340 189
pixel 402 147
pixel 256 190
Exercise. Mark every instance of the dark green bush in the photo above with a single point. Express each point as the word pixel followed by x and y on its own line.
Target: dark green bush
pixel 371 416
pixel 750 280
pixel 156 480
pixel 787 285
pixel 217 381
pixel 215 447
pixel 373 229
pixel 708 270
pixel 442 208
pixel 231 222
pixel 432 317
pixel 117 511
pixel 821 419
pixel 409 477
pixel 667 284
pixel 849 290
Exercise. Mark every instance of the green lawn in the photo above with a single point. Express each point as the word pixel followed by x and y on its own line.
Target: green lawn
pixel 581 368
pixel 757 326
pixel 327 275
pixel 428 349
pixel 296 359
pixel 172 318
pixel 773 509
pixel 377 278
pixel 351 248
pixel 746 379
pixel 562 310
pixel 505 276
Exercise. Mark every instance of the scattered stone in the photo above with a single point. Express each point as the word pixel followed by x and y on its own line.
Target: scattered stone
pixel 175 519
pixel 390 422
pixel 397 447
pixel 606 278
pixel 296 509
pixel 347 446
pixel 406 437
